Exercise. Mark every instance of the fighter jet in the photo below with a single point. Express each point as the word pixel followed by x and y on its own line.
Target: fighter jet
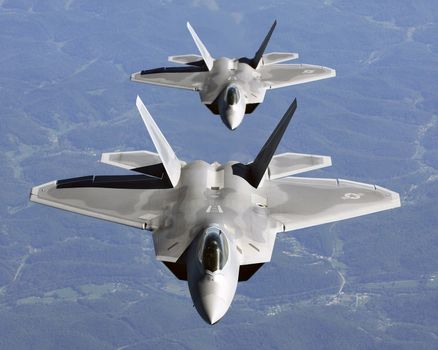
pixel 214 225
pixel 233 87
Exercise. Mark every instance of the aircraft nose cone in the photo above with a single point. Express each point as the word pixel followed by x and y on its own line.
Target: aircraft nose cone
pixel 232 120
pixel 213 308
pixel 233 123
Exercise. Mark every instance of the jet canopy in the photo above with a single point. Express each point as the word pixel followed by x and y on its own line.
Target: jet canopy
pixel 233 96
pixel 213 249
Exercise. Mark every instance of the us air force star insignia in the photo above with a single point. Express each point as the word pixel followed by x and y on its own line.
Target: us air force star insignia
pixel 352 195
pixel 308 71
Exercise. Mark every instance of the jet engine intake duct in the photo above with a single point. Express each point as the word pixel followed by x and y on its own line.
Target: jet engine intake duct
pixel 142 182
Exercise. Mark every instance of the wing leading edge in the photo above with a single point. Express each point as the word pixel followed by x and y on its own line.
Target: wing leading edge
pixel 134 200
pixel 190 78
pixel 281 75
pixel 303 202
pixel 127 207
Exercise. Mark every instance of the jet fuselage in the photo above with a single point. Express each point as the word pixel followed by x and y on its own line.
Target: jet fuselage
pixel 237 83
pixel 212 273
pixel 223 205
pixel 249 78
pixel 213 224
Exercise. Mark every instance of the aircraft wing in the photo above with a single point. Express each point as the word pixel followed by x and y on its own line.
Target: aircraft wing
pixel 281 75
pixel 191 78
pixel 303 202
pixel 132 207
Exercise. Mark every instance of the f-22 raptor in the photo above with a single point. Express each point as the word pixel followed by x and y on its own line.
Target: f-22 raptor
pixel 214 224
pixel 233 87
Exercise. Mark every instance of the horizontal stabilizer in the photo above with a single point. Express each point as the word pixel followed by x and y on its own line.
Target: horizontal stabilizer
pixel 278 57
pixel 130 160
pixel 147 163
pixel 185 59
pixel 288 164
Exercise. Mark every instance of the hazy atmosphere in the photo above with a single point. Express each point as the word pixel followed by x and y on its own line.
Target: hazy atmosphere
pixel 73 282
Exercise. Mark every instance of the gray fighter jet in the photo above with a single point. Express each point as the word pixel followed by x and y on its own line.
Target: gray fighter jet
pixel 233 87
pixel 214 224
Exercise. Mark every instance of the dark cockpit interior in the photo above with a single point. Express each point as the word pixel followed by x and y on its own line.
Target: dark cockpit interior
pixel 233 95
pixel 214 250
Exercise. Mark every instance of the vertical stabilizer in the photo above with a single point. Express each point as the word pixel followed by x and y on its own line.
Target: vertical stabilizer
pixel 259 54
pixel 253 172
pixel 171 163
pixel 201 47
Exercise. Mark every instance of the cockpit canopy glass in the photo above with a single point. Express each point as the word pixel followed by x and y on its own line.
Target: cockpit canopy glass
pixel 233 95
pixel 213 250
